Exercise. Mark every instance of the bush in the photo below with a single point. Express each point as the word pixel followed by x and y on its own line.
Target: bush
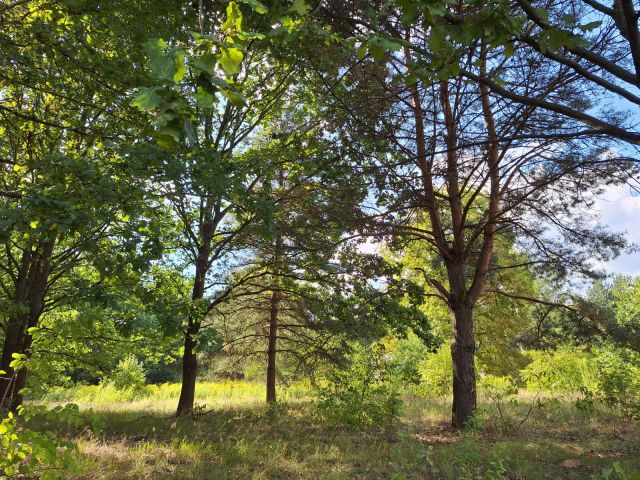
pixel 26 453
pixel 407 355
pixel 498 386
pixel 128 375
pixel 563 370
pixel 501 391
pixel 618 381
pixel 615 472
pixel 363 394
pixel 609 375
pixel 158 373
pixel 437 372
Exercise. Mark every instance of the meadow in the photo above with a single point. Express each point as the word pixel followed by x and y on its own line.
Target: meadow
pixel 234 435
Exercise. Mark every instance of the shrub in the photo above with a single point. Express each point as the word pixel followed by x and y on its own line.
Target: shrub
pixel 407 355
pixel 436 372
pixel 501 391
pixel 609 375
pixel 615 472
pixel 498 386
pixel 618 381
pixel 26 453
pixel 563 370
pixel 128 375
pixel 158 373
pixel 362 394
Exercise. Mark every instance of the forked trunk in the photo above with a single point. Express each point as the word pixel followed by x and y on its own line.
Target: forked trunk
pixel 30 292
pixel 272 349
pixel 464 375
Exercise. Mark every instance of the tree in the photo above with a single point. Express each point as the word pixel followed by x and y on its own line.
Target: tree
pixel 477 166
pixel 68 192
pixel 501 315
pixel 315 205
pixel 211 96
pixel 599 43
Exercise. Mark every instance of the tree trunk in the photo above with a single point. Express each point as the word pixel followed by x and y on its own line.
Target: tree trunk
pixel 464 375
pixel 14 331
pixel 20 377
pixel 189 372
pixel 12 341
pixel 189 360
pixel 271 351
pixel 30 292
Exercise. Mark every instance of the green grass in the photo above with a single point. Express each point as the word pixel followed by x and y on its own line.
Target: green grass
pixel 248 441
pixel 163 398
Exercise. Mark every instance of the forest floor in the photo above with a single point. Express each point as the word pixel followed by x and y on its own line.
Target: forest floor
pixel 531 438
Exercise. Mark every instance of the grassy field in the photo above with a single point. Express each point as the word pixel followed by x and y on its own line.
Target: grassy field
pixel 239 438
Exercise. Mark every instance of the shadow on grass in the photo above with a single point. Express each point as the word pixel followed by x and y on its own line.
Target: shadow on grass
pixel 254 442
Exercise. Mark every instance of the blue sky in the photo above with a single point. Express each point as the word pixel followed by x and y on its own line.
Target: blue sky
pixel 619 208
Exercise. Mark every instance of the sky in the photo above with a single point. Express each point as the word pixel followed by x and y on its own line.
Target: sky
pixel 619 209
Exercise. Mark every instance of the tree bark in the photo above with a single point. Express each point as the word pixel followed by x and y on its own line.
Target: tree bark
pixel 272 349
pixel 189 359
pixel 30 292
pixel 464 375
pixel 11 345
pixel 13 331
pixel 189 372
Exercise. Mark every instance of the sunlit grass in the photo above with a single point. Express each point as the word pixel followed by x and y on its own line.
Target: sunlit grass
pixel 163 398
pixel 240 438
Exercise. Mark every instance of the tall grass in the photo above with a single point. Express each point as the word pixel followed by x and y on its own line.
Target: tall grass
pixel 162 398
pixel 242 439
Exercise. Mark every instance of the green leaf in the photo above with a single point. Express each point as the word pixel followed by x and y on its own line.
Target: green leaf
pixel 204 63
pixel 409 10
pixel 147 99
pixel 256 6
pixel 163 119
pixel 411 79
pixel 230 61
pixel 204 99
pixel 590 26
pixel 235 98
pixel 543 14
pixel 166 141
pixel 33 224
pixel 508 49
pixel 170 131
pixel 436 39
pixel 220 83
pixel 234 18
pixel 301 7
pixel 162 64
pixel 362 51
pixel 181 68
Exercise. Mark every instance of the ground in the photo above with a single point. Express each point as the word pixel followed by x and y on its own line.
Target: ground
pixel 532 438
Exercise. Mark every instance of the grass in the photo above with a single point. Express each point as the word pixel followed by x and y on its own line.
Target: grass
pixel 162 399
pixel 242 439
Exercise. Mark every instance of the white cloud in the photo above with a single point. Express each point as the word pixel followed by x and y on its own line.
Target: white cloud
pixel 619 209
